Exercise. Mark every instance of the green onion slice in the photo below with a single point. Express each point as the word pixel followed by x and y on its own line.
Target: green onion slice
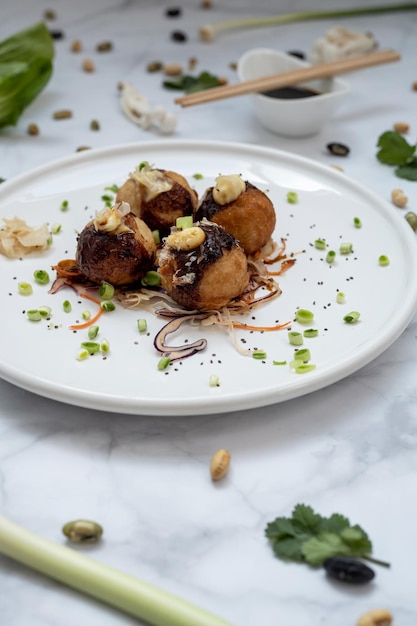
pixel 106 291
pixel 311 332
pixel 295 338
pixel 25 289
pixel 303 316
pixel 186 221
pixel 352 317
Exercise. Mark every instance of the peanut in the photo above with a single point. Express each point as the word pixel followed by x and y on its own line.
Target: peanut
pixel 76 46
pixel 401 127
pixel 187 239
pixel 88 65
pixel 173 69
pixel 219 465
pixel 398 198
pixel 375 617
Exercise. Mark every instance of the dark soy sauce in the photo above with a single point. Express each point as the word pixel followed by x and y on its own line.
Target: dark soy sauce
pixel 291 93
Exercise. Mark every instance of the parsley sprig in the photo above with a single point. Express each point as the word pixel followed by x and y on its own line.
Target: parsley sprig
pixel 191 84
pixel 395 150
pixel 307 537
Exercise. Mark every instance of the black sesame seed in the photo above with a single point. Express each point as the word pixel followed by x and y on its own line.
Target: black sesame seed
pixel 57 34
pixel 338 149
pixel 297 53
pixel 173 12
pixel 178 35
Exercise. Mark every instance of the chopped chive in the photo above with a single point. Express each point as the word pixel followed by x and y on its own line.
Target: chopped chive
pixel 92 346
pixel 156 237
pixel 34 315
pixel 56 228
pixel 279 362
pixel 352 317
pixel 383 260
pixel 25 289
pixel 214 381
pixel 64 205
pixel 303 316
pixel 320 244
pixel 82 354
pixel 41 277
pixel 67 306
pixel 45 311
pixel 340 297
pixel 357 222
pixel 105 346
pixel 330 257
pixel 292 197
pixel 86 315
pixel 164 362
pixel 304 368
pixel 113 188
pixel 142 165
pixel 151 278
pixel 186 221
pixel 106 290
pixel 259 354
pixel 93 332
pixel 295 338
pixel 107 199
pixel 198 176
pixel 310 332
pixel 142 325
pixel 108 305
pixel 346 248
pixel 302 355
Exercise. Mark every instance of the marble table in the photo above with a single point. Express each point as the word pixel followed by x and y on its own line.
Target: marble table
pixel 348 448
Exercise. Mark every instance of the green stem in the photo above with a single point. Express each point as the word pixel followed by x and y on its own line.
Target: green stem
pixel 367 557
pixel 104 583
pixel 310 15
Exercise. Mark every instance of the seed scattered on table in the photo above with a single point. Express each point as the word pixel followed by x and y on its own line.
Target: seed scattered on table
pixel 173 69
pixel 154 66
pixel 219 465
pixel 104 46
pixel 88 65
pixel 401 127
pixel 62 114
pixel 179 36
pixel 49 14
pixel 338 149
pixel 375 617
pixel 94 125
pixel 76 46
pixel 33 129
pixel 398 198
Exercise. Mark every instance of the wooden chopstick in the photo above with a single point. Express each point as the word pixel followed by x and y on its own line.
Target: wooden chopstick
pixel 274 81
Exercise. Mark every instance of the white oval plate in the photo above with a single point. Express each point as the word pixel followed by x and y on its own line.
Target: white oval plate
pixel 43 359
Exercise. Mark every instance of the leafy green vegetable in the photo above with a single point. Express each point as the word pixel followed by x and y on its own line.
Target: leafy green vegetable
pixel 307 537
pixel 394 149
pixel 191 84
pixel 25 68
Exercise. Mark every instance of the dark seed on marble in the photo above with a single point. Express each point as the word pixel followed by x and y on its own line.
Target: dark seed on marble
pixel 173 12
pixel 57 34
pixel 348 570
pixel 338 149
pixel 178 35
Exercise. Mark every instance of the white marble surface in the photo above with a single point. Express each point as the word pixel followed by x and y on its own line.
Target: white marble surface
pixel 350 448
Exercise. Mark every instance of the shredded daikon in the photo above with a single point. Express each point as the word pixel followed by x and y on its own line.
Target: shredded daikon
pixel 18 239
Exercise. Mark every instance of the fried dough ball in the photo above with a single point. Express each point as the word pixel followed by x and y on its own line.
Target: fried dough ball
pixel 242 209
pixel 158 197
pixel 203 267
pixel 116 247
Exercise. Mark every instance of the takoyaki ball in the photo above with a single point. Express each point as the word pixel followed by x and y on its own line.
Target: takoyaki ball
pixel 158 197
pixel 116 247
pixel 242 209
pixel 203 267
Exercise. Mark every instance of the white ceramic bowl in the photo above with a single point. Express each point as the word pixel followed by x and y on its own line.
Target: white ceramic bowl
pixel 294 117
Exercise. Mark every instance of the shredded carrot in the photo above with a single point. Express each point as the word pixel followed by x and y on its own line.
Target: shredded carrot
pixel 284 267
pixel 265 328
pixel 68 268
pixel 92 319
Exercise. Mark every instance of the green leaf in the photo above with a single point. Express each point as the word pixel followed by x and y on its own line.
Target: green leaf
pixel 306 518
pixel 394 149
pixel 408 170
pixel 191 84
pixel 25 68
pixel 309 537
pixel 288 549
pixel 317 549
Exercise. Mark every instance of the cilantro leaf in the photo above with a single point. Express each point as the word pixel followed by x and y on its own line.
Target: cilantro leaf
pixel 311 538
pixel 394 149
pixel 191 84
pixel 407 170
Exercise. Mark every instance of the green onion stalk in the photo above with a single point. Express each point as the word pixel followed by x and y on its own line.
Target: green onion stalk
pixel 208 32
pixel 122 591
